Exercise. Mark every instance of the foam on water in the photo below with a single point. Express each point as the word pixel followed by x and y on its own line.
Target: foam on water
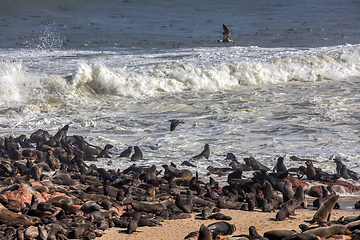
pixel 88 74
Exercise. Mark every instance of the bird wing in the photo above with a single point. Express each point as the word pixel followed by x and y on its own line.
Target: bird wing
pixel 226 30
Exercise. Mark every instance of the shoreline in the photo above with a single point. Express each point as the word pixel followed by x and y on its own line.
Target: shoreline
pixel 83 201
pixel 263 221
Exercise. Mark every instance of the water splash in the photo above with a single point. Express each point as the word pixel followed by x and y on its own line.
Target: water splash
pixel 45 38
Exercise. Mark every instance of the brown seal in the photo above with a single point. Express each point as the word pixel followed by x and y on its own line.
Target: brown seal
pixel 148 207
pixel 204 233
pixel 205 153
pixel 324 212
pixel 287 191
pixel 287 209
pixel 278 234
pixel 325 232
pixel 133 223
pixel 207 211
pixel 310 170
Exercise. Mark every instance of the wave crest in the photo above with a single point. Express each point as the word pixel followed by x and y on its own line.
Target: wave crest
pixel 202 70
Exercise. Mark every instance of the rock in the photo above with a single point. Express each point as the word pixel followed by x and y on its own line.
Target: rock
pixel 18 198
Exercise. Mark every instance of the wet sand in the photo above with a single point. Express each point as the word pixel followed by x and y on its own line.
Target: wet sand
pixel 263 221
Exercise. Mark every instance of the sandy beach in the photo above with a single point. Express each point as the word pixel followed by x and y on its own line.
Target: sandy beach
pixel 263 221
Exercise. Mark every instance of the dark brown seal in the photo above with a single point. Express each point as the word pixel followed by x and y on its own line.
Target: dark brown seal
pixel 138 155
pixel 205 153
pixel 126 153
pixel 204 233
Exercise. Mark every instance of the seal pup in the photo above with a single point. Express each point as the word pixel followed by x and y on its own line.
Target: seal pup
pixel 207 211
pixel 174 123
pixel 221 228
pixel 126 153
pixel 226 35
pixel 137 155
pixel 205 153
pixel 133 224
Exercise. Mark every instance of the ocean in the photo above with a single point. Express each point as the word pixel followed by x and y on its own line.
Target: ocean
pixel 117 71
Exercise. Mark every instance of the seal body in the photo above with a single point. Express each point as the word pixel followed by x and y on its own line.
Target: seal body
pixel 325 232
pixel 137 155
pixel 126 153
pixel 324 212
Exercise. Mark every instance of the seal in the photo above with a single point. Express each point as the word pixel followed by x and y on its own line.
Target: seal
pixel 105 152
pixel 205 153
pixel 287 209
pixel 204 233
pixel 280 166
pixel 226 35
pixel 231 156
pixel 255 165
pixel 137 155
pixel 278 234
pixel 126 153
pixel 310 170
pixel 220 216
pixel 222 228
pixel 301 236
pixel 133 223
pixel 56 228
pixel 253 234
pixel 287 191
pixel 148 207
pixel 174 123
pixel 325 232
pixel 324 212
pixel 186 207
pixel 207 211
pixel 346 172
pixel 55 140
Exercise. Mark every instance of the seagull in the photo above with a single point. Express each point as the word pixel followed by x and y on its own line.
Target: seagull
pixel 174 123
pixel 226 35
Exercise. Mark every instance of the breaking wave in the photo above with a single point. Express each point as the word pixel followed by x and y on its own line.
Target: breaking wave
pixel 207 70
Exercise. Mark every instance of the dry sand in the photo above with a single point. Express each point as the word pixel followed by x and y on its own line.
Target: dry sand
pixel 178 229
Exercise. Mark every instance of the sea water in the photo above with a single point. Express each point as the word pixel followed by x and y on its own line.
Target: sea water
pixel 117 71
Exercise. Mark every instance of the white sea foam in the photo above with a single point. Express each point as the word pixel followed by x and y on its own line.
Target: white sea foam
pixel 153 74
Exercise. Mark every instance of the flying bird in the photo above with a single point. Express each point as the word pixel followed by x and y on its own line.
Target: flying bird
pixel 174 123
pixel 226 35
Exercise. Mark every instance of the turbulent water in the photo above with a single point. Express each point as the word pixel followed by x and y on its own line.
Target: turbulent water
pixel 117 71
